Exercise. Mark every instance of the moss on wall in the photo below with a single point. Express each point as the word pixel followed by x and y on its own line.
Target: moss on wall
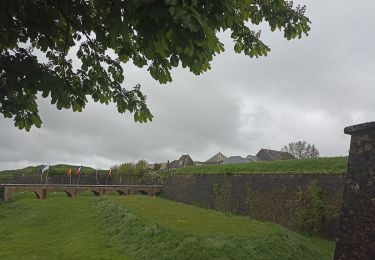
pixel 311 208
pixel 275 206
pixel 270 197
pixel 222 194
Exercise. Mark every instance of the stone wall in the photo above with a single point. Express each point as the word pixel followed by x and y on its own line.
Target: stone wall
pixel 269 197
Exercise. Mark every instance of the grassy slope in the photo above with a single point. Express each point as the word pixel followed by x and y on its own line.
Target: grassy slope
pixel 316 165
pixel 58 228
pixel 5 177
pixel 153 227
pixel 144 228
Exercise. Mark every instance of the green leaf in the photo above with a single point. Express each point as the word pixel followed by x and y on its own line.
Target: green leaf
pixel 159 35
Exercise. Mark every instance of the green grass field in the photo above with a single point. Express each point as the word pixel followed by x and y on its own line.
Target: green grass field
pixel 141 227
pixel 56 228
pixel 315 165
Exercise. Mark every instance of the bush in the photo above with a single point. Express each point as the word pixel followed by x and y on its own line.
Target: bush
pixel 311 208
pixel 130 168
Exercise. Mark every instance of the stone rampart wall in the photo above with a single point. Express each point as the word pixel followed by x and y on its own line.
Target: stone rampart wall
pixel 268 197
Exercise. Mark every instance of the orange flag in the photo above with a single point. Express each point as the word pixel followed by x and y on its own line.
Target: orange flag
pixel 69 171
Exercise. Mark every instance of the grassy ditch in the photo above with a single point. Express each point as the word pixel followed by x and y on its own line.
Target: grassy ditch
pixel 141 227
pixel 155 228
pixel 314 165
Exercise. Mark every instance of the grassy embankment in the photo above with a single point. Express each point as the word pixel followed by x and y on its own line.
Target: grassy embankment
pixel 56 228
pixel 315 165
pixel 58 169
pixel 143 228
pixel 5 177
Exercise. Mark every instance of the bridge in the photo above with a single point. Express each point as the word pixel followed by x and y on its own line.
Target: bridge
pixel 41 190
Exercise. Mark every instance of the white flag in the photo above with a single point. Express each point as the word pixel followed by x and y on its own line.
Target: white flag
pixel 45 168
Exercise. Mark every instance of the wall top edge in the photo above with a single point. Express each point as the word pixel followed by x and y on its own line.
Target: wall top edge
pixel 360 128
pixel 268 174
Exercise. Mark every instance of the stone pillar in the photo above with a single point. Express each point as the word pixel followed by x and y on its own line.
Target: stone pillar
pixel 7 193
pixel 356 233
pixel 1 193
pixel 43 194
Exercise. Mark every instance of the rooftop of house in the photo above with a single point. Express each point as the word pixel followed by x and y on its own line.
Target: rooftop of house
pixel 216 159
pixel 253 158
pixel 273 155
pixel 235 159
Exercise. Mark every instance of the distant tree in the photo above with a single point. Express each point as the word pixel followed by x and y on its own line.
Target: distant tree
pixel 130 168
pixel 126 168
pixel 157 166
pixel 301 150
pixel 39 37
pixel 140 167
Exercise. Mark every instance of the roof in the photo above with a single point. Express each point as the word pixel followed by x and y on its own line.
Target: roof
pixel 253 158
pixel 216 159
pixel 235 160
pixel 272 155
pixel 199 163
pixel 185 160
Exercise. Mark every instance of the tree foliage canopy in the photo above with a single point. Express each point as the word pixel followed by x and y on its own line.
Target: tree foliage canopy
pixel 130 168
pixel 155 34
pixel 301 150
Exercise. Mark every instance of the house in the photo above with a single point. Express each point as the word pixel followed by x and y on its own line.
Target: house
pixel 216 159
pixel 235 160
pixel 151 166
pixel 272 155
pixel 185 160
pixel 253 158
pixel 163 166
pixel 199 163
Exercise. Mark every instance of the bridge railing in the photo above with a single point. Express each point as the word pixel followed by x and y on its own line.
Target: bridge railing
pixel 79 185
pixel 41 190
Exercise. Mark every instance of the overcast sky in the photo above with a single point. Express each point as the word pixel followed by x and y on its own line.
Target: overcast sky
pixel 308 89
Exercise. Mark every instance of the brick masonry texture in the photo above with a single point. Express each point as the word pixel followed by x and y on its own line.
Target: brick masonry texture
pixel 267 197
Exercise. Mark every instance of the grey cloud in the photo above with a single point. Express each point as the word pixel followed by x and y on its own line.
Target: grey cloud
pixel 307 89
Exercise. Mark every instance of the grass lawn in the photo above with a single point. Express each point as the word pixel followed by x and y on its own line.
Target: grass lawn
pixel 55 228
pixel 315 165
pixel 151 227
pixel 141 227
